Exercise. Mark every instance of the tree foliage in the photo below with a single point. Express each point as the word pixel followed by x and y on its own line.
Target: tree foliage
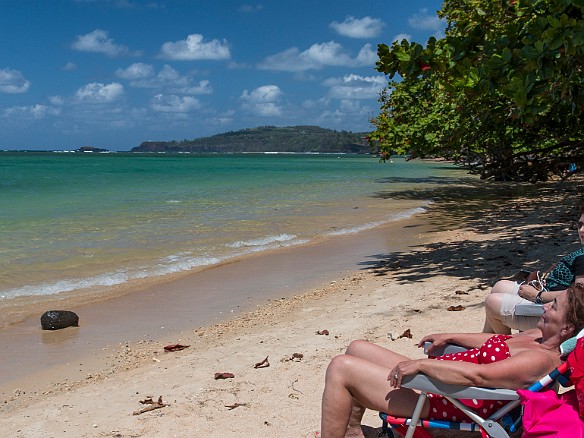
pixel 502 92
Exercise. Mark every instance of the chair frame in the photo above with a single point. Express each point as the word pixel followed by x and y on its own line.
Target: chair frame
pixel 489 426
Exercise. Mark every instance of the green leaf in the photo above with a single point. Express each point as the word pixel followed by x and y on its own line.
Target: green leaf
pixel 402 56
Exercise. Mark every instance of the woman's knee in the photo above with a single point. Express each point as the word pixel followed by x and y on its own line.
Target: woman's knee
pixel 493 303
pixel 504 287
pixel 358 347
pixel 339 367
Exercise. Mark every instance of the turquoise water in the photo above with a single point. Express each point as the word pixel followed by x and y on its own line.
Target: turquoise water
pixel 80 221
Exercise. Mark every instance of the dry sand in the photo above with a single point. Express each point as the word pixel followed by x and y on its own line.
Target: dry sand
pixel 475 242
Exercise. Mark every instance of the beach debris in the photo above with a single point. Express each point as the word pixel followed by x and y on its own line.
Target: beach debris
pixel 263 364
pixel 219 376
pixel 323 332
pixel 292 386
pixel 59 319
pixel 152 405
pixel 460 292
pixel 175 347
pixel 406 334
pixel 235 405
pixel 296 357
pixel 455 308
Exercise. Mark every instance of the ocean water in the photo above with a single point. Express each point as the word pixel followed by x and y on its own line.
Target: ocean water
pixel 78 222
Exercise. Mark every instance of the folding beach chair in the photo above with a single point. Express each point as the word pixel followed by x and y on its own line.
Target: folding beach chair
pixel 508 417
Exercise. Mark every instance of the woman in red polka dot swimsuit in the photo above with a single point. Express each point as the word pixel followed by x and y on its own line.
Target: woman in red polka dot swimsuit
pixel 370 376
pixel 495 349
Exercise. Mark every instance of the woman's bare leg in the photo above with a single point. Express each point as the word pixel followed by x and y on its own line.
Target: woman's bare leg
pixel 377 355
pixel 493 323
pixel 354 383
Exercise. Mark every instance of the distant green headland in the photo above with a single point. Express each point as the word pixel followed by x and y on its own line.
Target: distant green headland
pixel 300 139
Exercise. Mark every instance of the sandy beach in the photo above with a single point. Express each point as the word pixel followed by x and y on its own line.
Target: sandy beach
pixel 449 256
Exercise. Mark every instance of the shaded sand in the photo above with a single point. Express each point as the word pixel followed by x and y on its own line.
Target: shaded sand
pixel 471 242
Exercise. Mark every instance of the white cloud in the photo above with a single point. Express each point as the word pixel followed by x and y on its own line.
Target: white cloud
pixel 263 100
pixel 12 81
pixel 56 100
pixel 355 87
pixel 352 27
pixel 203 87
pixel 142 76
pixel 137 70
pixel 194 48
pixel 402 36
pixel 174 104
pixel 366 56
pixel 251 8
pixel 70 66
pixel 265 93
pixel 316 57
pixel 98 41
pixel 425 21
pixel 100 93
pixel 36 112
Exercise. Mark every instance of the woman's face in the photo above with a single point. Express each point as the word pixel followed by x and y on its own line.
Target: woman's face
pixel 581 229
pixel 554 315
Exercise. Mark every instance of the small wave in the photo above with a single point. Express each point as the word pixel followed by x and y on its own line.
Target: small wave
pixel 264 241
pixel 394 217
pixel 169 265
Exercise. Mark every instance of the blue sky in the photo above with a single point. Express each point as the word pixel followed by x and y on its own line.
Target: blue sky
pixel 114 73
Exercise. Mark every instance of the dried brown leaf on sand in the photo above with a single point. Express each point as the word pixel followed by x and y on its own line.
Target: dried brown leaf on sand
pixel 263 364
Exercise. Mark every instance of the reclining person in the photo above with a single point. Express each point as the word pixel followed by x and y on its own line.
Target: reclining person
pixel 370 376
pixel 500 304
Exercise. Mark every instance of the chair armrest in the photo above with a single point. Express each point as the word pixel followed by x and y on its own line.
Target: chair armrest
pixel 422 382
pixel 441 351
pixel 529 309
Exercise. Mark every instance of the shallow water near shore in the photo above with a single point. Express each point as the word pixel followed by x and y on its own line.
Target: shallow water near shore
pixel 162 310
pixel 84 223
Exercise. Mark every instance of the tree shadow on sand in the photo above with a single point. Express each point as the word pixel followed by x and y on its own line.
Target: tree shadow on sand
pixel 533 223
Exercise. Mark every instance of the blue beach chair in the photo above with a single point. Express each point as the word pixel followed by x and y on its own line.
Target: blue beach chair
pixel 496 426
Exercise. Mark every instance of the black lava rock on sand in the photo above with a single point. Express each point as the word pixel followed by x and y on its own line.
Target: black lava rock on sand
pixel 58 319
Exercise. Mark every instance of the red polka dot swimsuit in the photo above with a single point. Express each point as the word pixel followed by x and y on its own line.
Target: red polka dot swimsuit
pixel 493 350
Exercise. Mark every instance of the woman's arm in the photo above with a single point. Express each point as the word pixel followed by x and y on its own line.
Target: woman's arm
pixel 529 292
pixel 518 371
pixel 468 340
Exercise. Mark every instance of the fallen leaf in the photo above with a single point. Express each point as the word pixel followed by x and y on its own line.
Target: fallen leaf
pixel 152 405
pixel 263 364
pixel 235 405
pixel 323 332
pixel 455 308
pixel 224 376
pixel 175 347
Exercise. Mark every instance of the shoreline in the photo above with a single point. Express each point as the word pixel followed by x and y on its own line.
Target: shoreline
pixel 463 248
pixel 162 310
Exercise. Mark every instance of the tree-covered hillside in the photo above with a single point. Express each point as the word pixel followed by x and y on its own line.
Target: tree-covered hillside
pixel 267 139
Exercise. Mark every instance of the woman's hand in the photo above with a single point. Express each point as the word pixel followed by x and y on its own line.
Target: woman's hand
pixel 527 292
pixel 405 368
pixel 436 340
